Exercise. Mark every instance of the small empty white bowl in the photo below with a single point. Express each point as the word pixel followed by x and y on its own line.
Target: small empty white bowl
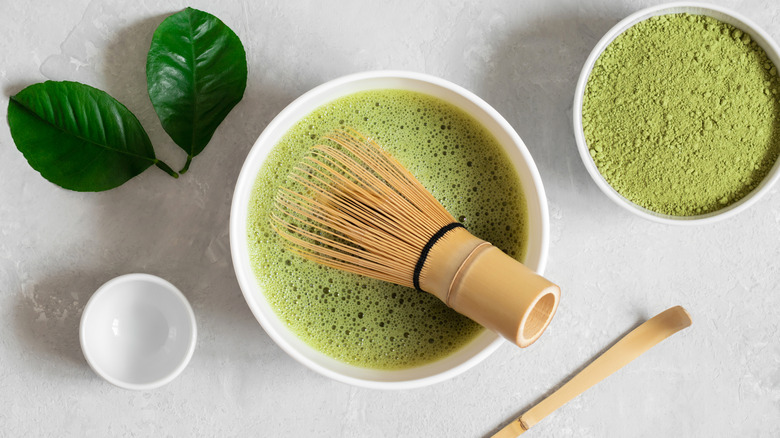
pixel 138 331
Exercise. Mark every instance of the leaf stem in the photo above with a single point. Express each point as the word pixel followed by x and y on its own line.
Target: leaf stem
pixel 166 168
pixel 186 165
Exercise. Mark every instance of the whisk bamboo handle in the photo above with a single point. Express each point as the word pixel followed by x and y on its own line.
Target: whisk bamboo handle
pixel 631 346
pixel 478 280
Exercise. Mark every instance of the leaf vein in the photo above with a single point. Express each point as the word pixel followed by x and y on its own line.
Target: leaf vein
pixel 78 136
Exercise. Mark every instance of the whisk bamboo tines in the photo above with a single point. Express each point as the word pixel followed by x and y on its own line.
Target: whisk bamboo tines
pixel 353 207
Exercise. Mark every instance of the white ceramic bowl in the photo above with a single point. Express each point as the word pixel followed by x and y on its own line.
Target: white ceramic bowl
pixel 719 13
pixel 484 344
pixel 138 331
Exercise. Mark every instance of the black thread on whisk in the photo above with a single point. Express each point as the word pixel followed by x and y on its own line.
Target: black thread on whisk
pixel 427 248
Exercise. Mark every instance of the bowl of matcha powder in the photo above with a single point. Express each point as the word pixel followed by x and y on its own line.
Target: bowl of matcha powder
pixel 677 113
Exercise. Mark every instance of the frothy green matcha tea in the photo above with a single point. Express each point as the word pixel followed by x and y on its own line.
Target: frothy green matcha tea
pixel 367 322
pixel 681 114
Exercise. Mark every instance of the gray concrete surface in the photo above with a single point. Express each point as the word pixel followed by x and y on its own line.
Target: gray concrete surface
pixel 719 378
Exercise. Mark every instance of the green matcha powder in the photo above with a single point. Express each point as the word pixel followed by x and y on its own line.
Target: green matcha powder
pixel 680 114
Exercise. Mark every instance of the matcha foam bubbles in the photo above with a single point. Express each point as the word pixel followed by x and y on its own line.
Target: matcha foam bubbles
pixel 681 114
pixel 367 322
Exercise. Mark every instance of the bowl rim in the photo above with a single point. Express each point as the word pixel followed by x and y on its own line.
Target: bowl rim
pixel 726 15
pixel 245 182
pixel 106 289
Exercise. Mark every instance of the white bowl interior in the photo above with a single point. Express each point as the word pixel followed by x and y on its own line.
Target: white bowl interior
pixel 483 344
pixel 138 331
pixel 722 14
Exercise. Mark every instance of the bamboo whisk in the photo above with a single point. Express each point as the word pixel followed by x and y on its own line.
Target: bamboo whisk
pixel 359 210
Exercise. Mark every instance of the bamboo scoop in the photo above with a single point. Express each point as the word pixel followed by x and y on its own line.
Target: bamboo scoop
pixel 631 346
pixel 353 207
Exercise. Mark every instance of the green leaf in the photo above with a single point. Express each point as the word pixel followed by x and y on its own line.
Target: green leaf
pixel 79 137
pixel 196 73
